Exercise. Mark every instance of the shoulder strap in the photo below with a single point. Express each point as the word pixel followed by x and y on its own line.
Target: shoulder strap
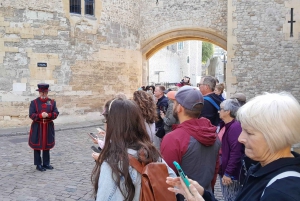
pixel 212 102
pixel 135 164
pixel 281 176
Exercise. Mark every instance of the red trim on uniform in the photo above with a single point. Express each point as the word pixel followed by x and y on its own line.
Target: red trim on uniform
pixel 40 149
pixel 49 115
pixel 40 116
pixel 36 106
pixel 44 100
pixel 44 133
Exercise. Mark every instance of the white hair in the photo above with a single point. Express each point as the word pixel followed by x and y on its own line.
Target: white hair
pixel 231 105
pixel 276 116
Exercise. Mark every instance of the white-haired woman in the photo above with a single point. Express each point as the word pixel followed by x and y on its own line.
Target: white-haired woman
pixel 270 126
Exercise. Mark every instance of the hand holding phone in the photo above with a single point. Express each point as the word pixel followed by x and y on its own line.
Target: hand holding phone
pixel 101 132
pixel 182 175
pixel 92 135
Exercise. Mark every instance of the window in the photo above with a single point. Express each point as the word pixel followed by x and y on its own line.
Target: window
pixel 75 6
pixel 89 7
pixel 180 45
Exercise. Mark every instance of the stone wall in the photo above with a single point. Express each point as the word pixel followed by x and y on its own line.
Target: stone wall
pixel 167 61
pixel 191 61
pixel 173 14
pixel 265 57
pixel 177 63
pixel 89 58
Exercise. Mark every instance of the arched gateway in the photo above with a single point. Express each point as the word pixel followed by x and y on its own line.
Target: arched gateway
pixel 153 45
pixel 150 47
pixel 90 50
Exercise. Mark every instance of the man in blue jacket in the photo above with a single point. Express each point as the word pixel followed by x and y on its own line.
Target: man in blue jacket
pixel 161 105
pixel 211 100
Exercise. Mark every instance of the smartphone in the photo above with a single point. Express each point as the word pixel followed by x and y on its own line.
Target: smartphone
pixel 93 135
pixel 163 109
pixel 95 149
pixel 182 175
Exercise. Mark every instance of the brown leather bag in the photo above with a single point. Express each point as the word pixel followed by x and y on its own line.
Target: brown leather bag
pixel 153 180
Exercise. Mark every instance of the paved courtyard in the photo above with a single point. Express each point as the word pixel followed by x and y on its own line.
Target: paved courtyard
pixel 70 178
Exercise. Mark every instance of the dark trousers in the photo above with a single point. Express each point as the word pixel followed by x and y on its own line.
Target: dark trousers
pixel 38 159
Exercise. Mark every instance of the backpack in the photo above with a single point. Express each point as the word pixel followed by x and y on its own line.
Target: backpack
pixel 212 102
pixel 153 180
pixel 281 176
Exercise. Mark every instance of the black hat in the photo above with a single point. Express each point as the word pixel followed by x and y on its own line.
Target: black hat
pixel 43 87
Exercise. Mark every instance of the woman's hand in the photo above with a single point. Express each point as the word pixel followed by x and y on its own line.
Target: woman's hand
pixel 95 140
pixel 226 180
pixel 95 156
pixel 195 192
pixel 103 133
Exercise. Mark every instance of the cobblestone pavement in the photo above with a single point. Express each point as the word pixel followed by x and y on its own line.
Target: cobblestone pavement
pixel 70 178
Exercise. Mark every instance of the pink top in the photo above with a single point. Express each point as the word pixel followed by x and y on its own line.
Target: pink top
pixel 101 143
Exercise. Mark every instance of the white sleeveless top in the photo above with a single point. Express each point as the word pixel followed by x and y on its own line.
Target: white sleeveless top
pixel 151 132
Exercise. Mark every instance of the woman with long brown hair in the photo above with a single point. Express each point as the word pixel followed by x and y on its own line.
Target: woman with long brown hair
pixel 113 178
pixel 148 108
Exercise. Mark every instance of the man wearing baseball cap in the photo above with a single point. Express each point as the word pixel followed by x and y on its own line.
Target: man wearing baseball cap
pixel 194 143
pixel 240 97
pixel 42 111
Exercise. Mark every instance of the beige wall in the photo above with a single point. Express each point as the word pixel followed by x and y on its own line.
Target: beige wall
pixel 89 58
pixel 262 55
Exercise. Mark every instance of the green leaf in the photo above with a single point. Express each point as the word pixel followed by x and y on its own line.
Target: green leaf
pixel 207 51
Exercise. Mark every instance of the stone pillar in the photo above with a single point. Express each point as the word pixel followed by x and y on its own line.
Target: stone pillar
pixel 145 70
pixel 231 82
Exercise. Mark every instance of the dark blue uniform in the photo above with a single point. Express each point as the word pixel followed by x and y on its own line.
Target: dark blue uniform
pixel 42 134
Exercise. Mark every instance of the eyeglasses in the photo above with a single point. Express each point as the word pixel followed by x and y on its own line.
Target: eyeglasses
pixel 221 109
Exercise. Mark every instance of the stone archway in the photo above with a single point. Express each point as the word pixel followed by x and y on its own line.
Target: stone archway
pixel 154 44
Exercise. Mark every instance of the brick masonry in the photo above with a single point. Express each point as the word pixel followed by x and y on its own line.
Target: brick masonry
pixel 172 14
pixel 90 58
pixel 266 57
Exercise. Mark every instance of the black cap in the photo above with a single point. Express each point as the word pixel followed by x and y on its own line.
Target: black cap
pixel 43 87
